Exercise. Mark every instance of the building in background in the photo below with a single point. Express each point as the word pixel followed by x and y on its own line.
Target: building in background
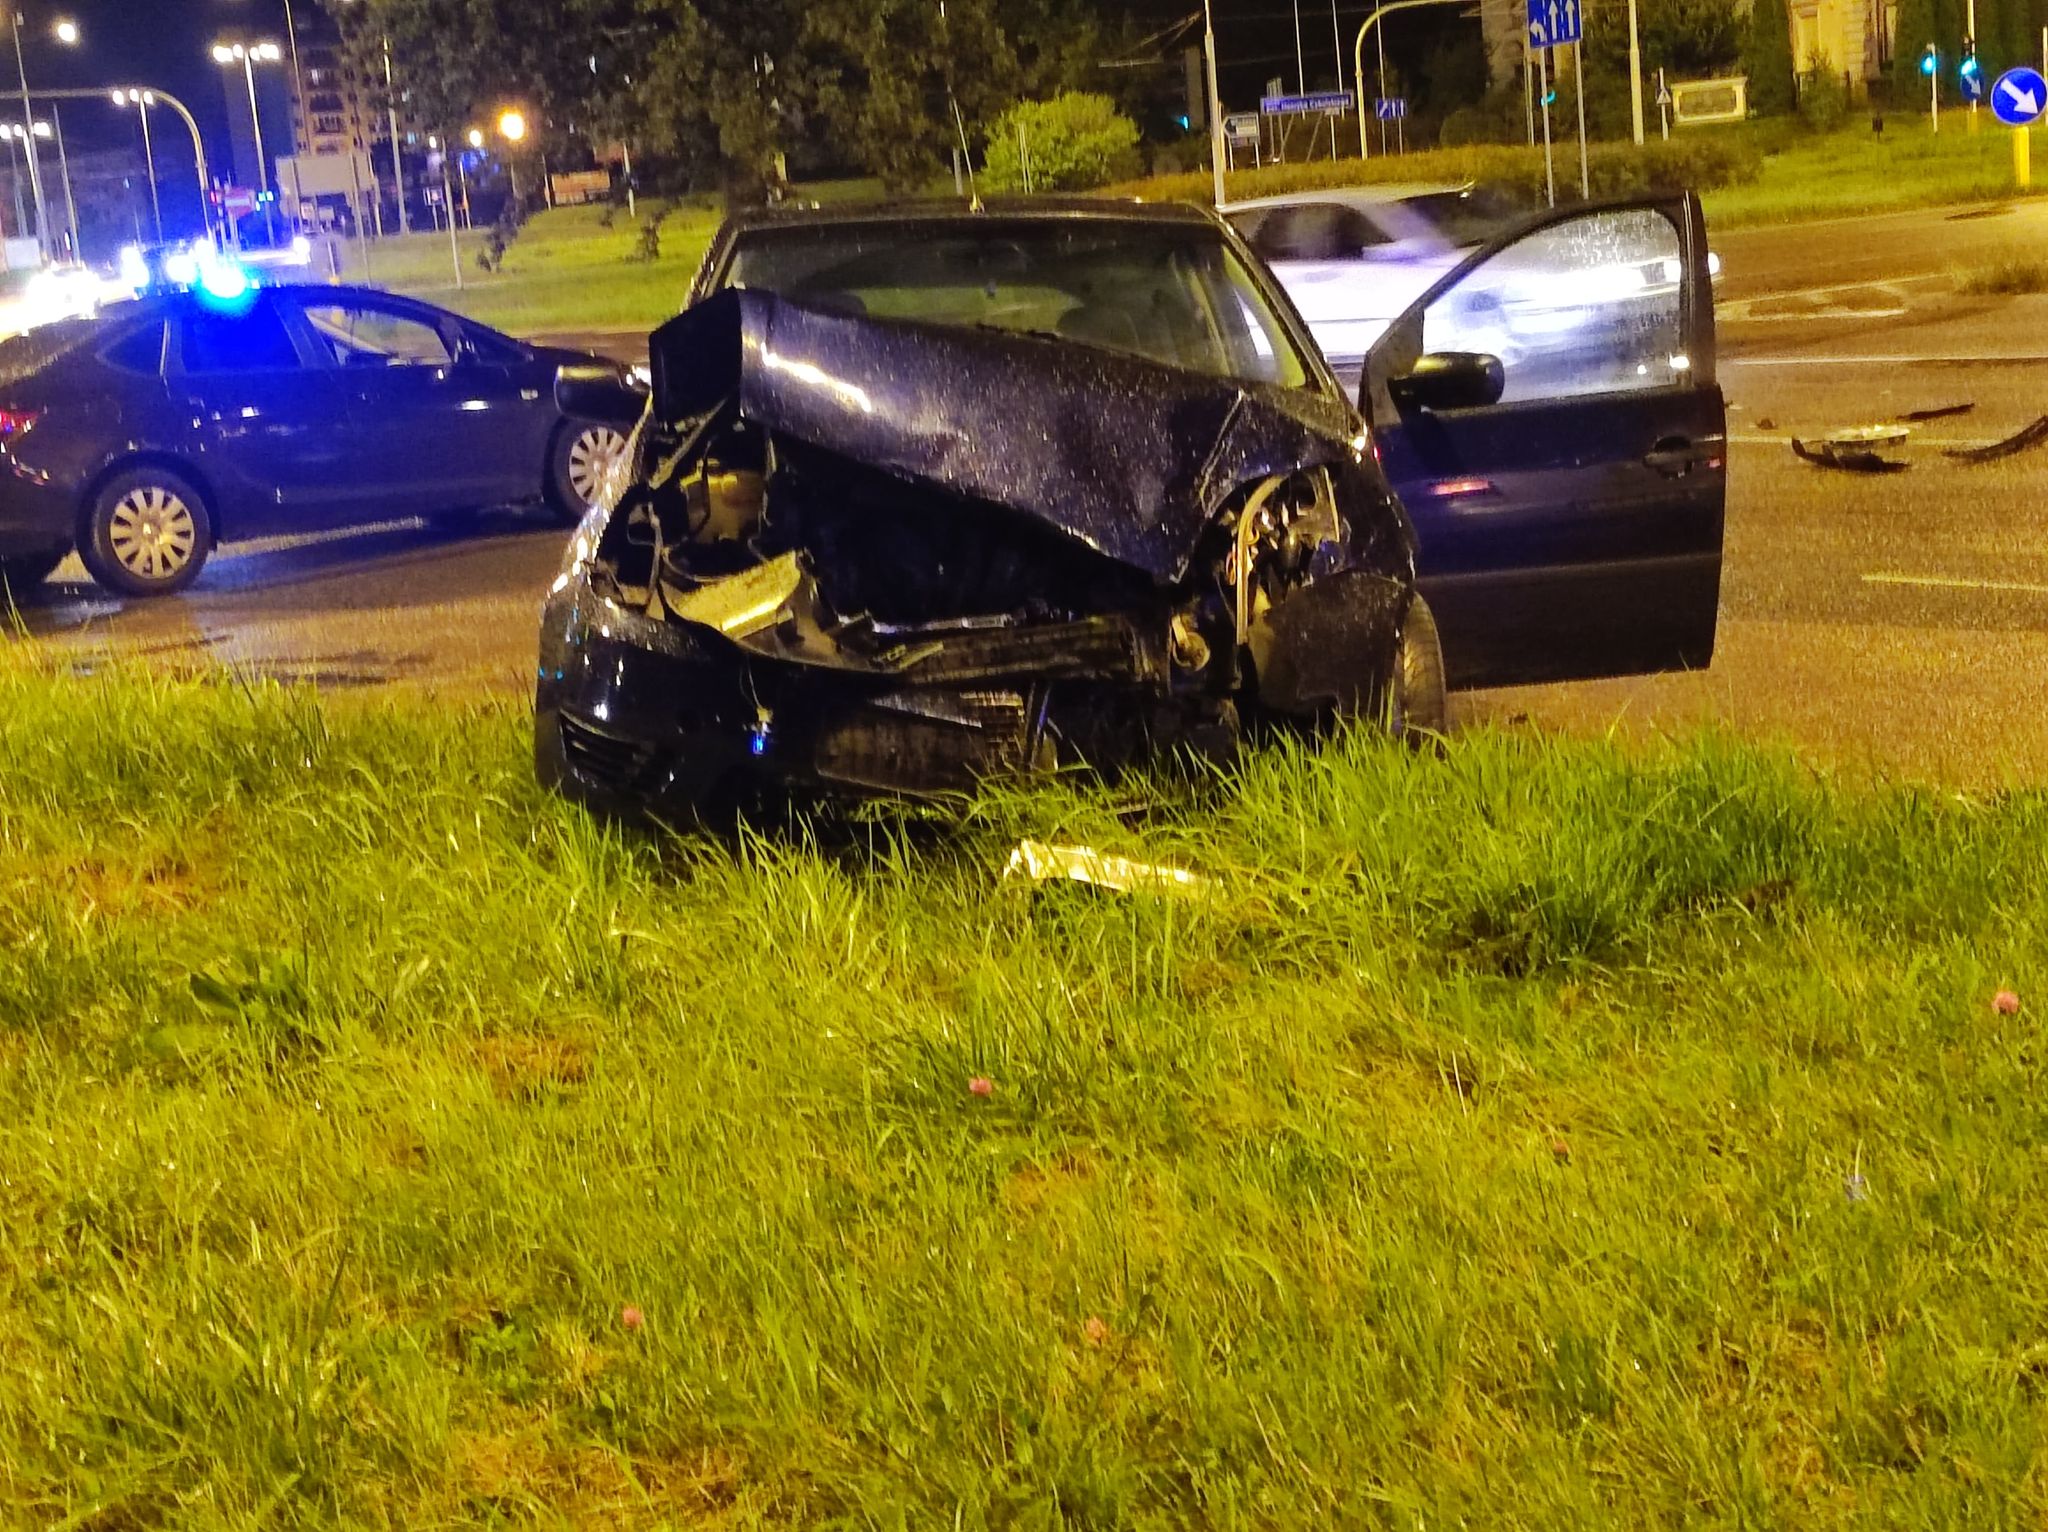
pixel 333 115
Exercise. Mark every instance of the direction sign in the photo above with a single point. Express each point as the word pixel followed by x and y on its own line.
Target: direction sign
pixel 1241 127
pixel 2019 96
pixel 1552 22
pixel 1973 87
pixel 1390 108
pixel 1316 101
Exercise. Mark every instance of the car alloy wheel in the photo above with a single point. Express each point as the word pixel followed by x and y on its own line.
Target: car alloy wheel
pixel 592 456
pixel 152 533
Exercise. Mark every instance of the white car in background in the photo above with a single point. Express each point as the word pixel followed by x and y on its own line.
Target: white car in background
pixel 1353 259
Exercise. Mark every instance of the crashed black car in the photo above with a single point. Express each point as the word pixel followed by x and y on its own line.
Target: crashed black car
pixel 927 496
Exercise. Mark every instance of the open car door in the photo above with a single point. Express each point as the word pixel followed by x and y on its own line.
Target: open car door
pixel 1549 416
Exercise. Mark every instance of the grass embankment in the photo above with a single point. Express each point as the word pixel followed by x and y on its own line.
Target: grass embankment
pixel 567 270
pixel 1537 1136
pixel 1766 172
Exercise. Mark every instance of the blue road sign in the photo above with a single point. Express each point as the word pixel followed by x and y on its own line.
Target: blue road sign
pixel 1390 108
pixel 1317 101
pixel 2019 96
pixel 1552 22
pixel 1973 87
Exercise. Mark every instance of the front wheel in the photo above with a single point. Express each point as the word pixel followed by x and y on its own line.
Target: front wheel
pixel 1421 703
pixel 579 463
pixel 147 533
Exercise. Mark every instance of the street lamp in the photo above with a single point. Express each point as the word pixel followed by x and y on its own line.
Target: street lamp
pixel 513 126
pixel 142 101
pixel 249 55
pixel 66 32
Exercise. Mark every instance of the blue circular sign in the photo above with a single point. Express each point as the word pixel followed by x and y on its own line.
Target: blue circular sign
pixel 2019 96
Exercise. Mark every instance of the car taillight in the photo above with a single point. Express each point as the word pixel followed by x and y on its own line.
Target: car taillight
pixel 14 422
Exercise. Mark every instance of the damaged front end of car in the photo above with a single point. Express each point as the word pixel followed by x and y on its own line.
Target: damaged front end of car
pixel 893 558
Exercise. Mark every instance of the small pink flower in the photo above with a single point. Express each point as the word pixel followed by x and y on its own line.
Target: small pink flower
pixel 981 1085
pixel 631 1317
pixel 2006 1003
pixel 1095 1330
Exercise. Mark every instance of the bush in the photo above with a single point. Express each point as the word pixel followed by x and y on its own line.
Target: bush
pixel 1699 163
pixel 1074 142
pixel 1823 97
pixel 1767 58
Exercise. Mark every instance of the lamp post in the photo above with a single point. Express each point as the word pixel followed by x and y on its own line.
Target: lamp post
pixel 249 55
pixel 66 32
pixel 14 175
pixel 397 152
pixel 56 126
pixel 142 101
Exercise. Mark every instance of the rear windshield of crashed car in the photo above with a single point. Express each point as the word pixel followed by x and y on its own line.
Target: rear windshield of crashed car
pixel 1177 296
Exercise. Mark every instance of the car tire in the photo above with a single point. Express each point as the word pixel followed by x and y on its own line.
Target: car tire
pixel 578 461
pixel 21 577
pixel 147 532
pixel 1421 700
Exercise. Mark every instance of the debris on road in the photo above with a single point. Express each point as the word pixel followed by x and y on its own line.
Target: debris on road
pixel 1937 412
pixel 2031 436
pixel 1037 862
pixel 1846 457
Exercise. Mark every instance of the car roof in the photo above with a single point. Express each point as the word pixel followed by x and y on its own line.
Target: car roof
pixel 1353 196
pixel 943 209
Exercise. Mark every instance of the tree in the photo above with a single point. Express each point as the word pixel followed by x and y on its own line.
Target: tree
pixel 1767 57
pixel 1074 142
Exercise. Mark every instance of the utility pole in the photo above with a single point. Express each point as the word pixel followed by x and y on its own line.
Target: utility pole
pixel 28 120
pixel 64 170
pixel 1635 74
pixel 1300 63
pixel 1215 105
pixel 397 154
pixel 1337 41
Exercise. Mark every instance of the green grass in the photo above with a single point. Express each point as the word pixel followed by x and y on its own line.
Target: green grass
pixel 1537 1136
pixel 1857 171
pixel 2006 279
pixel 566 271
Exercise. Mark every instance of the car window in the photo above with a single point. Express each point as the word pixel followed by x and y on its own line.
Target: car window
pixel 140 350
pixel 364 334
pixel 1178 296
pixel 1588 306
pixel 1316 231
pixel 1468 217
pixel 247 340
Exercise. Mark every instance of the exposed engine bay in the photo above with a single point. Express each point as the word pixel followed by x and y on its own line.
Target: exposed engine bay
pixel 890 557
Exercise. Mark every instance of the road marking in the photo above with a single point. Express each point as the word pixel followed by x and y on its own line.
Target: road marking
pixel 1943 582
pixel 2035 359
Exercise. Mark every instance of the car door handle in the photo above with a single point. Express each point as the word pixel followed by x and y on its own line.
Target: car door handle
pixel 1674 457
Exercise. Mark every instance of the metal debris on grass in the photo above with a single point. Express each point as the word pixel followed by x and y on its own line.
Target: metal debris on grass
pixel 1035 862
pixel 2029 436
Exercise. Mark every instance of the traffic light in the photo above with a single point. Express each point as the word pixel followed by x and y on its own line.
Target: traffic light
pixel 1550 97
pixel 1930 60
pixel 1968 68
pixel 1186 122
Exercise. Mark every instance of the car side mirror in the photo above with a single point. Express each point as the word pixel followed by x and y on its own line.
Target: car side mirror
pixel 1450 380
pixel 598 393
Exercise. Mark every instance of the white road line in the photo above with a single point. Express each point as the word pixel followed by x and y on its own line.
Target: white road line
pixel 2017 359
pixel 1943 582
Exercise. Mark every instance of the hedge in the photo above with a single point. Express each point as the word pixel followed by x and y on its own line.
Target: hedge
pixel 1614 170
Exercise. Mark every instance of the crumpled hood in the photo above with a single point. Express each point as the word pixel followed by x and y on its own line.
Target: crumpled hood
pixel 1130 457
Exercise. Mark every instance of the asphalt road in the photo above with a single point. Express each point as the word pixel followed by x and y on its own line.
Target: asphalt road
pixel 1895 626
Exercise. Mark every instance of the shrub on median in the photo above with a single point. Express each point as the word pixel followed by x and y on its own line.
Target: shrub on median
pixel 1614 170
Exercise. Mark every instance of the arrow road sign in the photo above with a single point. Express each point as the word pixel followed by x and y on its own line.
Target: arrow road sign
pixel 2019 96
pixel 1390 108
pixel 1973 87
pixel 1552 22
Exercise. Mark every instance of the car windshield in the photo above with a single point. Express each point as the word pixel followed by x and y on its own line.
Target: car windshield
pixel 1178 296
